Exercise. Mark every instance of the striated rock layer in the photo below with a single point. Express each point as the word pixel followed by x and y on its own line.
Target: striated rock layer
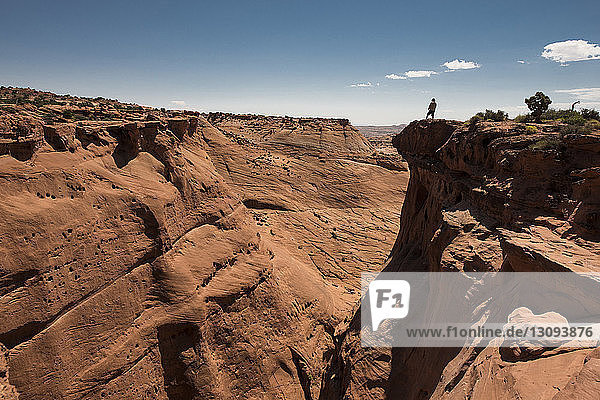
pixel 487 197
pixel 153 254
pixel 147 254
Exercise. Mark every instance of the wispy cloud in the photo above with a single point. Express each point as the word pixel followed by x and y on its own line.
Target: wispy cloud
pixel 450 65
pixel 395 77
pixel 584 94
pixel 412 74
pixel 362 84
pixel 178 102
pixel 588 97
pixel 571 50
pixel 460 64
pixel 419 74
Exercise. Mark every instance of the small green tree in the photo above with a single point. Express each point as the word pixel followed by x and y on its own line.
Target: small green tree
pixel 590 114
pixel 490 115
pixel 538 103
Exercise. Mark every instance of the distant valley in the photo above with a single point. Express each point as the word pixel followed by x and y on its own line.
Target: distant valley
pixel 380 130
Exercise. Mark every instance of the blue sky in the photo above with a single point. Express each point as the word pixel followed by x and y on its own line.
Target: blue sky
pixel 313 58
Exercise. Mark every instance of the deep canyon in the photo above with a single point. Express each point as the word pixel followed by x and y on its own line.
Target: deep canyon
pixel 164 254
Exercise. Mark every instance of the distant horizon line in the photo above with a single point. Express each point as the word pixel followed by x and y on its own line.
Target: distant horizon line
pixel 91 97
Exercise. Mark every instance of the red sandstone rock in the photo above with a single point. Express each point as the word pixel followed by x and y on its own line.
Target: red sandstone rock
pixel 170 258
pixel 169 255
pixel 486 197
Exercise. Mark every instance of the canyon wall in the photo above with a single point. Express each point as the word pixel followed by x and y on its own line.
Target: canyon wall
pixel 153 254
pixel 159 255
pixel 487 197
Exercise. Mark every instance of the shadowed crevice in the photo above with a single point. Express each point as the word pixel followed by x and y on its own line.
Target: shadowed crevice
pixel 177 344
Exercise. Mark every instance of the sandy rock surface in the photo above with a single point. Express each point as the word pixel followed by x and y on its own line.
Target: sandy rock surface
pixel 154 254
pixel 147 254
pixel 487 197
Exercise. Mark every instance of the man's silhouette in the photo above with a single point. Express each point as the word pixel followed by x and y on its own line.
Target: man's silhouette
pixel 431 109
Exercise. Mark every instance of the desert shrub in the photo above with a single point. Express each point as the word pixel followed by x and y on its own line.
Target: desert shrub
pixel 574 119
pixel 570 116
pixel 567 116
pixel 546 143
pixel 588 113
pixel 554 115
pixel 490 115
pixel 531 129
pixel 574 129
pixel 475 119
pixel 593 125
pixel 538 104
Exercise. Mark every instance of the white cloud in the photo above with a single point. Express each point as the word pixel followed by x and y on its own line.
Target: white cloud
pixel 412 74
pixel 460 64
pixel 419 74
pixel 178 102
pixel 362 84
pixel 589 97
pixel 394 76
pixel 585 94
pixel 521 61
pixel 571 50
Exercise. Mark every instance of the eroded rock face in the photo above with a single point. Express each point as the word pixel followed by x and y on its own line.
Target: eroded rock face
pixel 327 209
pixel 314 136
pixel 487 197
pixel 147 254
pixel 159 256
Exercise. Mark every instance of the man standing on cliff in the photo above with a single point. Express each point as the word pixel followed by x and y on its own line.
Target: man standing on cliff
pixel 431 109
